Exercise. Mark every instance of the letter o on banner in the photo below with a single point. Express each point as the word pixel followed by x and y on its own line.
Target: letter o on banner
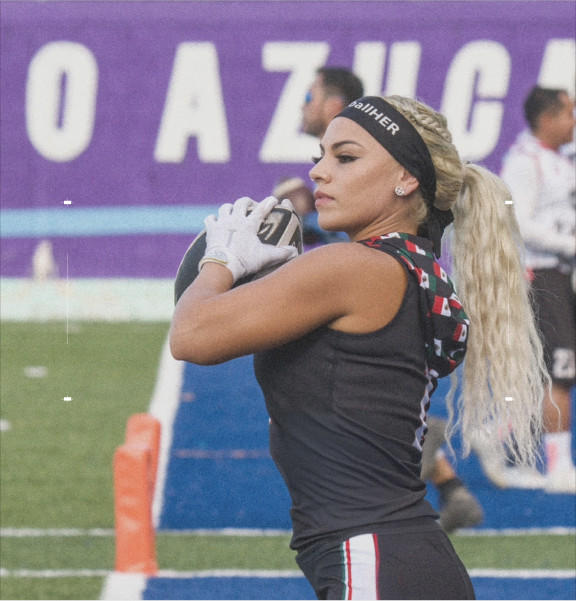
pixel 61 100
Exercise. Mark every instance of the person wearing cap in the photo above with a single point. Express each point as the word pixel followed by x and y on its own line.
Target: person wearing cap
pixel 351 338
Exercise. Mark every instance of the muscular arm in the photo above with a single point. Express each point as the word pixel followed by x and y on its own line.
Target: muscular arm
pixel 346 286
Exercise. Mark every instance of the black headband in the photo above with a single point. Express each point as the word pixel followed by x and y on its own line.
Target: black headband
pixel 401 139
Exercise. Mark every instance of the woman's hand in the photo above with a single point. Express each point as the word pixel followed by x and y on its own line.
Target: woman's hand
pixel 232 238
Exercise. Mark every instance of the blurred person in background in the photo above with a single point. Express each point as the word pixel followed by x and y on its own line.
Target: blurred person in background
pixel 542 180
pixel 332 90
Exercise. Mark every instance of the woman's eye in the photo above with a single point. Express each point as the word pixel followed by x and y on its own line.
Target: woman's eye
pixel 342 158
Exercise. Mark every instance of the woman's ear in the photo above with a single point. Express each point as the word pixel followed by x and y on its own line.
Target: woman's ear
pixel 407 182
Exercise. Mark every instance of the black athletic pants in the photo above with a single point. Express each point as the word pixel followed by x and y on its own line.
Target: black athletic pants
pixel 396 562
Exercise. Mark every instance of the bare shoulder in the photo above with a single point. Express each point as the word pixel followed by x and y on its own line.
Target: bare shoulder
pixel 352 261
pixel 365 284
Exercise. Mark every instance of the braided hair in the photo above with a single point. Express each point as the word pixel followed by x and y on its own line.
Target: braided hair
pixel 504 374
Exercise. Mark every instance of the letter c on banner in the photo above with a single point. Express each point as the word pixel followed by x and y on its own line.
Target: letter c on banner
pixel 476 85
pixel 61 100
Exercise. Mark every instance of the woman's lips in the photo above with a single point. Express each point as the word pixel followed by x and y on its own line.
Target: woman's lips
pixel 322 199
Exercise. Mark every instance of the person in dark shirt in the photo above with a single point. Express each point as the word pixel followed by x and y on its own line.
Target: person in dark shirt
pixel 351 338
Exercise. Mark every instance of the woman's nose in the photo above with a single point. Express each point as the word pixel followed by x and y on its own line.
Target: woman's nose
pixel 318 172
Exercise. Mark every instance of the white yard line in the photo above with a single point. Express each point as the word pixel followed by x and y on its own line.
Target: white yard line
pixel 26 573
pixel 164 406
pixel 230 574
pixel 524 574
pixel 554 530
pixel 227 532
pixel 119 587
pixel 84 573
pixel 41 532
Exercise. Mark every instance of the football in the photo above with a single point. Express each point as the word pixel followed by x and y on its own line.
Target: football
pixel 282 227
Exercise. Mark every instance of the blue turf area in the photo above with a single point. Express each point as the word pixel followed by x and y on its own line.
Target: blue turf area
pixel 228 588
pixel 298 588
pixel 220 473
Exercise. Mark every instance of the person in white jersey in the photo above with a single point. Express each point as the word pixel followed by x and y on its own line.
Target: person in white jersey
pixel 542 179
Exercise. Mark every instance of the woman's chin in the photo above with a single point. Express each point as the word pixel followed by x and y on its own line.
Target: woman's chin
pixel 328 225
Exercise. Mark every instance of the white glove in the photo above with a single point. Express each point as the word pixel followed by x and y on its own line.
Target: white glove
pixel 232 238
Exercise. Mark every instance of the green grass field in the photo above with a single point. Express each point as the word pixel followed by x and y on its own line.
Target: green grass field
pixel 56 465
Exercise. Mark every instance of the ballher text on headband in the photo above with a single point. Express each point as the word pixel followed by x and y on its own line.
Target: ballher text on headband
pixel 401 139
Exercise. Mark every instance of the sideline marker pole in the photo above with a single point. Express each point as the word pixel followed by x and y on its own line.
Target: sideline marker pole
pixel 144 428
pixel 135 464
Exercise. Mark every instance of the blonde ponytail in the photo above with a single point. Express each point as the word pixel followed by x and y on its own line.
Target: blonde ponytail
pixel 504 375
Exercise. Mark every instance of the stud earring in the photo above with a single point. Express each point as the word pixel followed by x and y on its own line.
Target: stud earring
pixel 399 191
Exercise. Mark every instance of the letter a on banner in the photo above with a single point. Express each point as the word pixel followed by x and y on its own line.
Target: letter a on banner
pixel 194 107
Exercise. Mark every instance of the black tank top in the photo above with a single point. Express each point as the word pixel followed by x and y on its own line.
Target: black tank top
pixel 347 418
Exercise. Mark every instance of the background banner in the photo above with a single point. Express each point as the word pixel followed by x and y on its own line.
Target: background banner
pixel 125 123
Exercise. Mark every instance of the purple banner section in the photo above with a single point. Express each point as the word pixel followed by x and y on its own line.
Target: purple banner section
pixel 132 256
pixel 160 104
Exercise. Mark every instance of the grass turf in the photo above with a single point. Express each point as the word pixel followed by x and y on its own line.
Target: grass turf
pixel 190 552
pixel 56 460
pixel 56 465
pixel 273 553
pixel 51 588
